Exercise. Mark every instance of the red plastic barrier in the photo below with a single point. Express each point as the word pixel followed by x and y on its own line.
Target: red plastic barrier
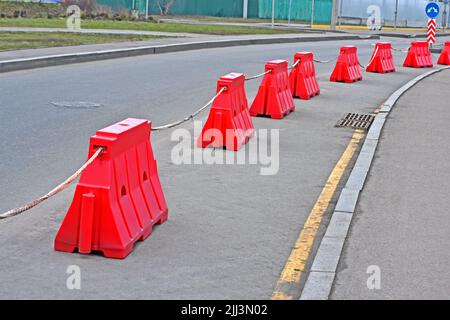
pixel 419 55
pixel 347 66
pixel 444 58
pixel 381 60
pixel 302 78
pixel 274 98
pixel 119 196
pixel 229 123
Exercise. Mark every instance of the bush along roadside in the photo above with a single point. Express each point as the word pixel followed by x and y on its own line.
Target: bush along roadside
pixel 31 10
pixel 89 10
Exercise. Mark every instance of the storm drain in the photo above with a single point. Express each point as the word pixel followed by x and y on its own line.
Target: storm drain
pixel 356 121
pixel 76 104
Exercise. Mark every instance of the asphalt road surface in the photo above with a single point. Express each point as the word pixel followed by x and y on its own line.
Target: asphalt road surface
pixel 230 229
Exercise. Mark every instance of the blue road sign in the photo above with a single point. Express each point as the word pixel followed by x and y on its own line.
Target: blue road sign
pixel 432 10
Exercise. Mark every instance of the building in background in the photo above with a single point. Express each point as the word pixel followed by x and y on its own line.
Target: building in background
pixel 411 13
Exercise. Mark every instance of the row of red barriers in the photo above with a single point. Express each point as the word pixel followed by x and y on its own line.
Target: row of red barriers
pixel 229 123
pixel 444 58
pixel 347 66
pixel 419 55
pixel 119 197
pixel 302 78
pixel 381 60
pixel 274 97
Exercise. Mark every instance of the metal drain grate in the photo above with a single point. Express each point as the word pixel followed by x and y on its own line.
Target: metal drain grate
pixel 356 121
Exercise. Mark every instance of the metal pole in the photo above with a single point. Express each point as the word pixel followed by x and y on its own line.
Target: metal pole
pixel 340 11
pixel 289 14
pixel 396 14
pixel 444 15
pixel 334 13
pixel 273 13
pixel 146 9
pixel 312 12
pixel 245 9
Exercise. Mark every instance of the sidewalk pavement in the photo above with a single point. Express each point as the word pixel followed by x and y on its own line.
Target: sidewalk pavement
pixel 249 24
pixel 32 53
pixel 404 32
pixel 401 223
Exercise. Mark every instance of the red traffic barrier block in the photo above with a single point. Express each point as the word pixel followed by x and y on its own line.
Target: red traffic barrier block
pixel 229 123
pixel 381 60
pixel 419 55
pixel 302 78
pixel 347 67
pixel 444 58
pixel 119 197
pixel 274 97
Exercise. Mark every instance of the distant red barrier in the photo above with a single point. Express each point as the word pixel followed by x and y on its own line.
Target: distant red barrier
pixel 119 196
pixel 419 55
pixel 302 78
pixel 444 58
pixel 382 60
pixel 347 67
pixel 274 98
pixel 229 123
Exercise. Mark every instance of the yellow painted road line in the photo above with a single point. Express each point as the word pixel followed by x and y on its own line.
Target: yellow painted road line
pixel 298 258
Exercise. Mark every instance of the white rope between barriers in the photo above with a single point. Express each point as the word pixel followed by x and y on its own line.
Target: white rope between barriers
pixel 56 190
pixel 294 65
pixel 258 75
pixel 400 50
pixel 371 60
pixel 191 116
pixel 269 71
pixel 324 61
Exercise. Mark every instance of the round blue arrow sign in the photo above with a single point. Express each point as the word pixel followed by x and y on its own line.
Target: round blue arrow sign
pixel 432 10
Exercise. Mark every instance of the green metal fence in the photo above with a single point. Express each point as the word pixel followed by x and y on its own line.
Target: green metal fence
pixel 216 8
pixel 299 9
pixel 116 4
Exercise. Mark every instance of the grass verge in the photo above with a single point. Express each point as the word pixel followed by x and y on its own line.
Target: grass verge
pixel 31 40
pixel 139 26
